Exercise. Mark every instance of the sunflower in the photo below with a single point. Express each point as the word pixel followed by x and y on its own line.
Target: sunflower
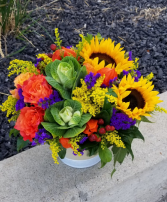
pixel 136 99
pixel 105 54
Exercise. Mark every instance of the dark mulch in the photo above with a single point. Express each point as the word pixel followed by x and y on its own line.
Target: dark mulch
pixel 140 26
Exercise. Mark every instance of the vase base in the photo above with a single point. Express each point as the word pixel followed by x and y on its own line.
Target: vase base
pixel 81 163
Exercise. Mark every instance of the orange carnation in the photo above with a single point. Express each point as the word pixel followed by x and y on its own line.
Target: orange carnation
pixel 63 52
pixel 91 127
pixel 36 87
pixel 28 121
pixel 21 78
pixel 65 142
pixel 109 74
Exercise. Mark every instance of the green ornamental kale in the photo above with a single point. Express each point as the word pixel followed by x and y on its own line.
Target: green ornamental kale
pixel 64 75
pixel 66 119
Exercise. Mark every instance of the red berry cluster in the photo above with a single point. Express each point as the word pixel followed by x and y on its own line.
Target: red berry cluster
pixel 102 131
pixel 53 47
pixel 94 137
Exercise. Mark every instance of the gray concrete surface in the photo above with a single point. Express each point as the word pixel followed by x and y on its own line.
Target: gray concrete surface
pixel 32 175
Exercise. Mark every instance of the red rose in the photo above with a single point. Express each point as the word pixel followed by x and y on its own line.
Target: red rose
pixel 28 121
pixel 36 87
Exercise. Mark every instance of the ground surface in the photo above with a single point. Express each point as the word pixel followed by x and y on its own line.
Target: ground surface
pixel 140 26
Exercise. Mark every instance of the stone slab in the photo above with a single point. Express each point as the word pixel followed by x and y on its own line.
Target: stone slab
pixel 33 176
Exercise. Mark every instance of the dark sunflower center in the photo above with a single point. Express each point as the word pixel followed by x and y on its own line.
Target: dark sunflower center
pixel 135 99
pixel 105 57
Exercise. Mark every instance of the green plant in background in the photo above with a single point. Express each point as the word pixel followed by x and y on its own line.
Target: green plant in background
pixel 12 14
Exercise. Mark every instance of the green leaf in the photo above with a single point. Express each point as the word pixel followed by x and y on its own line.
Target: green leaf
pixel 55 114
pixel 144 119
pixel 53 70
pixel 102 164
pixel 138 122
pixel 74 132
pixel 105 154
pixel 66 126
pixel 48 69
pixel 108 107
pixel 58 105
pixel 84 119
pixel 99 36
pixel 48 116
pixel 81 75
pixel 14 132
pixel 136 133
pixel 52 128
pixel 93 150
pixel 64 93
pixel 21 143
pixel 88 38
pixel 113 172
pixel 132 132
pixel 62 152
pixel 128 142
pixel 69 83
pixel 119 154
pixel 87 145
pixel 14 53
pixel 111 92
pixel 75 105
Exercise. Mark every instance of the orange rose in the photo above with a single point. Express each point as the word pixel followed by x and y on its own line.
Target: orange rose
pixel 62 52
pixel 15 93
pixel 109 74
pixel 36 87
pixel 91 127
pixel 28 121
pixel 21 78
pixel 65 142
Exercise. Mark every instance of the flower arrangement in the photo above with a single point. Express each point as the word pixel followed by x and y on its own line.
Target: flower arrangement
pixel 89 97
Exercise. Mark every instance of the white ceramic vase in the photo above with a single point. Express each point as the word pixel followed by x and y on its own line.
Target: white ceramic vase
pixel 80 161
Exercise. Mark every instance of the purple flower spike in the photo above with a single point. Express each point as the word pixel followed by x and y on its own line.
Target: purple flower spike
pixel 83 140
pixel 39 60
pixel 40 137
pixel 69 47
pixel 90 79
pixel 103 86
pixel 138 73
pixel 33 143
pixel 46 102
pixel 20 103
pixel 130 56
pixel 125 72
pixel 111 81
pixel 121 121
pixel 74 154
pixel 136 79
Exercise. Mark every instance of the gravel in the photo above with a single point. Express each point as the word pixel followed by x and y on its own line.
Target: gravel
pixel 140 26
